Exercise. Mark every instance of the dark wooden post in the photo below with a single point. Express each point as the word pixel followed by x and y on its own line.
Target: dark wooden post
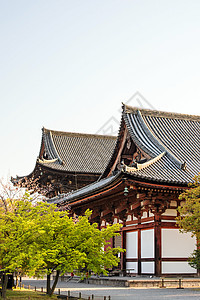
pixel 139 251
pixel 137 213
pixel 157 232
pixel 123 216
pixel 123 254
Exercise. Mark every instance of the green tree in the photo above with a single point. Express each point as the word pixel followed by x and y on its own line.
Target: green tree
pixel 38 239
pixel 55 243
pixel 67 245
pixel 189 217
pixel 89 240
pixel 17 241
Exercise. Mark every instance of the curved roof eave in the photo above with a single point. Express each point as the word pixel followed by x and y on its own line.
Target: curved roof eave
pixel 88 190
pixel 144 138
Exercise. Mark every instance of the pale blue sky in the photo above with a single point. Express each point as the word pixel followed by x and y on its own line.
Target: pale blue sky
pixel 68 64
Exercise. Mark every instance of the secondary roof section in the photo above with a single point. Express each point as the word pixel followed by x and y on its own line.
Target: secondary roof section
pixel 75 152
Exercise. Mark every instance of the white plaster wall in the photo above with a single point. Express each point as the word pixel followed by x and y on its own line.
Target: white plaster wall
pixel 169 221
pixel 146 222
pixel 148 267
pixel 132 244
pixel 132 265
pixel 115 221
pixel 144 215
pixel 170 212
pixel 103 223
pixel 176 244
pixel 177 267
pixel 128 218
pixel 147 243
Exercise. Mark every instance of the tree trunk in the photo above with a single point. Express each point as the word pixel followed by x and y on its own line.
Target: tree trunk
pixel 4 285
pixel 17 281
pixel 48 284
pixel 54 284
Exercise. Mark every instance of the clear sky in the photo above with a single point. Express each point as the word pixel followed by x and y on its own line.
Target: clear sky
pixel 68 64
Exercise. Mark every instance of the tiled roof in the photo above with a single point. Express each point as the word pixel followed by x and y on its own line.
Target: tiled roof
pixel 177 135
pixel 75 152
pixel 172 141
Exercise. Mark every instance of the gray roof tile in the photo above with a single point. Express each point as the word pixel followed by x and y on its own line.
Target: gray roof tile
pixel 171 140
pixel 178 135
pixel 75 152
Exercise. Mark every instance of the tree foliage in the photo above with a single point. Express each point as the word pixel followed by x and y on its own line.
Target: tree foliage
pixel 189 217
pixel 67 245
pixel 16 239
pixel 38 239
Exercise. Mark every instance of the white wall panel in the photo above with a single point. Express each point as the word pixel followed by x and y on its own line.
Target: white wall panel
pixel 144 215
pixel 170 212
pixel 177 267
pixel 115 221
pixel 148 267
pixel 128 218
pixel 132 244
pixel 176 244
pixel 147 243
pixel 132 265
pixel 173 203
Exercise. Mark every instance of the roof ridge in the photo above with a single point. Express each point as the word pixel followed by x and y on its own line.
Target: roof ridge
pixel 159 113
pixel 77 134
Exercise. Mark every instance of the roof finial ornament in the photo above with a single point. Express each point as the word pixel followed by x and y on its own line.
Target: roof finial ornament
pixel 123 107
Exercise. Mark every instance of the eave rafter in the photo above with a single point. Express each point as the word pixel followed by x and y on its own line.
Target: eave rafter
pixel 112 203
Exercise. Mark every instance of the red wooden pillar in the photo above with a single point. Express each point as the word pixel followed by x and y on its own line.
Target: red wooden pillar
pixel 139 252
pixel 157 232
pixel 137 213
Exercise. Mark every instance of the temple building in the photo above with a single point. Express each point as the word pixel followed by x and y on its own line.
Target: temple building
pixel 67 161
pixel 156 155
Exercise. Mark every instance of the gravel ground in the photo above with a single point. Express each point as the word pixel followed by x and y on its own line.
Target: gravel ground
pixel 117 293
